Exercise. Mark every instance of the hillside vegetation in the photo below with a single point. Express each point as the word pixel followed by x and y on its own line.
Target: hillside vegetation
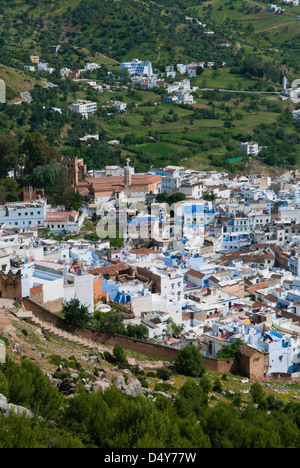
pixel 204 135
pixel 174 409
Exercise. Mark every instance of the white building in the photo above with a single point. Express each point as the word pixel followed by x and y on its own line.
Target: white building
pixel 64 221
pixel 84 107
pixel 57 283
pixel 137 67
pixel 23 214
pixel 296 114
pixel 44 67
pixel 184 98
pixel 254 220
pixel 235 240
pixel 274 8
pixel 89 137
pixel 289 213
pixel 192 187
pixel 170 184
pixel 290 93
pixel 249 148
pixel 183 86
pixel 192 215
pixel 91 66
pixel 30 68
pixel 2 92
pixel 119 105
pixel 291 2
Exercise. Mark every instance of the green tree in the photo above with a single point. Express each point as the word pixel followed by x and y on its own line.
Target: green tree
pixel 46 176
pixel 163 373
pixel 138 331
pixel 206 384
pixel 120 354
pixel 172 328
pixel 190 361
pixel 110 323
pixel 230 351
pixel 62 193
pixel 37 151
pixel 76 313
pixel 8 154
pixel 256 392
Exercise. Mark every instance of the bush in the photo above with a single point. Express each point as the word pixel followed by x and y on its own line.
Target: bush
pixel 163 373
pixel 217 386
pixel 163 387
pixel 120 355
pixel 190 361
pixel 29 387
pixel 4 390
pixel 230 351
pixel 108 357
pixel 143 382
pixel 205 384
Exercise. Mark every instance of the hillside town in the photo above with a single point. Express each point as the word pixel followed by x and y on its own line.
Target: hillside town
pixel 149 226
pixel 219 263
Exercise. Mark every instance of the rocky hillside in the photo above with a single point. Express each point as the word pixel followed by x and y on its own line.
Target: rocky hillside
pixel 66 363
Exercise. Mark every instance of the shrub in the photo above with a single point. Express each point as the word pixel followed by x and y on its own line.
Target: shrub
pixel 163 373
pixel 217 386
pixel 163 387
pixel 143 382
pixel 120 355
pixel 108 357
pixel 190 361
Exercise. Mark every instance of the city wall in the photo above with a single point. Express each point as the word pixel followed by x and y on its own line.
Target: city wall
pixel 148 349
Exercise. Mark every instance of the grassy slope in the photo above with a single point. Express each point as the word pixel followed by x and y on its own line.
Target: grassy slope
pixel 48 351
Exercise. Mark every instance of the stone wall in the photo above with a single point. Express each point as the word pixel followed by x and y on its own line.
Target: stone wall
pixel 246 364
pixel 188 315
pixel 152 277
pixel 139 346
pixel 254 365
pixel 11 286
pixel 220 365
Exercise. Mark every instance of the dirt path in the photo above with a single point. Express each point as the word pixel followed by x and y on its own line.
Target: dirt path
pixel 275 27
pixel 5 316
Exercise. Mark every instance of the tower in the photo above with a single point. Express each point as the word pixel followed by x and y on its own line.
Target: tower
pixel 285 80
pixel 284 83
pixel 71 164
pixel 127 174
pixel 2 92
